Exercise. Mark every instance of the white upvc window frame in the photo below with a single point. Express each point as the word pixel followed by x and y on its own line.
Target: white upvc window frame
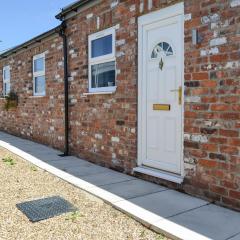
pixel 101 59
pixel 39 74
pixel 6 80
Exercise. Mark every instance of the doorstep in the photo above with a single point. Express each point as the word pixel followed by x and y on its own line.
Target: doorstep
pixel 159 174
pixel 177 215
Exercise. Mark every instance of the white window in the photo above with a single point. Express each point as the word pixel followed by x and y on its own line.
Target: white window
pixel 39 82
pixel 6 80
pixel 102 61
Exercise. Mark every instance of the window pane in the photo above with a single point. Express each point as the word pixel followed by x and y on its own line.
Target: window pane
pixel 6 88
pixel 103 75
pixel 160 48
pixel 102 46
pixel 40 84
pixel 6 74
pixel 39 64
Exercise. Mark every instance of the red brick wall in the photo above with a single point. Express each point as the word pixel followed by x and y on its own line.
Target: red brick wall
pixel 103 128
pixel 212 106
pixel 37 118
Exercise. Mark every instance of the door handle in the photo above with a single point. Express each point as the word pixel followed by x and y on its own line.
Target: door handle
pixel 179 90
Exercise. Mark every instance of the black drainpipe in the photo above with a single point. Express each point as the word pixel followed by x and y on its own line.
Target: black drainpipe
pixel 66 117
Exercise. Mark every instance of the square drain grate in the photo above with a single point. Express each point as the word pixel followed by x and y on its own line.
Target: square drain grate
pixel 45 208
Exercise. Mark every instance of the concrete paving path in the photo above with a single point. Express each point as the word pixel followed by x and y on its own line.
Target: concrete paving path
pixel 175 214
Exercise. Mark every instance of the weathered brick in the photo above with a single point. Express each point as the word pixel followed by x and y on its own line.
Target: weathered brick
pixel 220 107
pixel 234 194
pixel 207 163
pixel 234 141
pixel 228 133
pixel 218 41
pixel 200 76
pixel 219 190
pixel 209 147
pixel 229 150
pixel 229 184
pixel 217 156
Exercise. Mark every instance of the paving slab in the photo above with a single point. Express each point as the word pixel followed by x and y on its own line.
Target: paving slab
pixel 138 213
pixel 84 170
pixel 213 221
pixel 77 167
pixel 21 145
pixel 46 157
pixel 43 154
pixel 176 231
pixel 30 147
pixel 68 163
pixel 133 188
pixel 168 203
pixel 107 178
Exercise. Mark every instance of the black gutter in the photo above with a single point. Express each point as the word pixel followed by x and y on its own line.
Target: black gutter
pixel 72 7
pixel 25 45
pixel 66 93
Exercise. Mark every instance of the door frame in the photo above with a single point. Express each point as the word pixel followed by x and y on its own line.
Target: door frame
pixel 162 14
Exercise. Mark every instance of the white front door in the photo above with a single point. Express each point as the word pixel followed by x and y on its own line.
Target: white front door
pixel 160 102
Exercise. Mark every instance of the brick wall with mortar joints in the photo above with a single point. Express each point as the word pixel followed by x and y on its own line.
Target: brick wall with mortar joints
pixel 37 118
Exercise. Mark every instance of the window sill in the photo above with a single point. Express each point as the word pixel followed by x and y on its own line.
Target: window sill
pixel 98 93
pixel 37 96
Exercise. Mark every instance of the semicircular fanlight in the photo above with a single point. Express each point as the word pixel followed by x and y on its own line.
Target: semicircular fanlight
pixel 162 47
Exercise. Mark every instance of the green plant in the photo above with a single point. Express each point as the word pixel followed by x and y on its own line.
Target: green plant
pixel 74 216
pixel 160 237
pixel 33 168
pixel 9 160
pixel 11 100
pixel 142 234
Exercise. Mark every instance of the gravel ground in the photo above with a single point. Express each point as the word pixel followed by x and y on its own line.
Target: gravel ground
pixel 96 220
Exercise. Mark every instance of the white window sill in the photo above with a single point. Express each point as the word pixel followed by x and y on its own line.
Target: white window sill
pixel 37 96
pixel 98 93
pixel 159 174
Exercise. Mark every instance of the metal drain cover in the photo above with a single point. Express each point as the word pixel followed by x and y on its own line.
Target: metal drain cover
pixel 45 208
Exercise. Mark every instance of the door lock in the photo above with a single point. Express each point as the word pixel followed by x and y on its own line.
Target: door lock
pixel 179 90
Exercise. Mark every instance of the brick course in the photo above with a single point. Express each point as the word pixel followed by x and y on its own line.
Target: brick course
pixel 103 128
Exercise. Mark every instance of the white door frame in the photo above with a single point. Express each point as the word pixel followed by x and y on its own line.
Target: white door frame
pixel 168 12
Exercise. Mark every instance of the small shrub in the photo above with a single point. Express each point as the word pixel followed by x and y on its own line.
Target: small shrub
pixel 11 100
pixel 9 160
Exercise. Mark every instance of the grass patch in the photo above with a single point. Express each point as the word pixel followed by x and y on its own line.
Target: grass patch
pixel 9 160
pixel 74 216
